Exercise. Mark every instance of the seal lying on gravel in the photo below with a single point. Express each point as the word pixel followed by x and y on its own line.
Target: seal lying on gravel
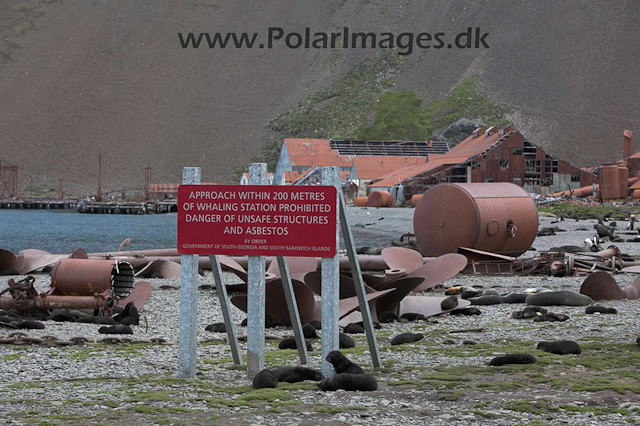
pixel 466 311
pixel 529 312
pixel 403 338
pixel 561 347
pixel 491 299
pixel 552 317
pixel 290 343
pixel 349 382
pixel 353 328
pixel 217 327
pixel 115 329
pixel 309 331
pixel 345 341
pixel 342 365
pixel 514 298
pixel 265 379
pixel 449 303
pixel 513 359
pixel 297 374
pixel 387 317
pixel 554 298
pixel 412 316
pixel 600 309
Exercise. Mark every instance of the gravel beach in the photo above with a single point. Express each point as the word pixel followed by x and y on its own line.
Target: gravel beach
pixel 442 379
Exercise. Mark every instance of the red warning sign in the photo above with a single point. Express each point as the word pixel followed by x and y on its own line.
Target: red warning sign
pixel 257 220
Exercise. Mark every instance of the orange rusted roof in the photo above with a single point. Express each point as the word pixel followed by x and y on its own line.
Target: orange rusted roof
pixel 374 166
pixel 291 177
pixel 463 152
pixel 315 152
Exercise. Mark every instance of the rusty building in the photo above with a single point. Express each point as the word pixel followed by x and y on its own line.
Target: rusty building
pixel 488 155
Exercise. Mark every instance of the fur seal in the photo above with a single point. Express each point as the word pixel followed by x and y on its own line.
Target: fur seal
pixel 555 298
pixel 317 324
pixel 492 299
pixel 552 317
pixel 63 317
pixel 561 347
pixel 290 343
pixel 403 338
pixel 309 331
pixel 342 364
pixel 218 327
pixel 345 341
pixel 353 328
pixel 296 374
pixel 387 317
pixel 30 325
pixel 265 379
pixel 115 329
pixel 449 303
pixel 349 382
pixel 466 311
pixel 600 309
pixel 411 316
pixel 514 298
pixel 513 359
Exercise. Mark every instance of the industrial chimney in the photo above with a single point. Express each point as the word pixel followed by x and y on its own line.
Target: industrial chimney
pixel 628 144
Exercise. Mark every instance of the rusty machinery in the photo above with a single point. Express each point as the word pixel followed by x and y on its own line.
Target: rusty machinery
pixel 75 284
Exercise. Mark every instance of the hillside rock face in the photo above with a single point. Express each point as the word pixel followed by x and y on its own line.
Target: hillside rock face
pixel 78 78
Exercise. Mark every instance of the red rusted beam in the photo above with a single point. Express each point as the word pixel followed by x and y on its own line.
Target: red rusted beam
pixel 58 302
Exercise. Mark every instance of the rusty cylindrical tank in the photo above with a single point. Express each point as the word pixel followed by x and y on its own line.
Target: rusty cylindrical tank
pixel 360 201
pixel 415 199
pixel 380 199
pixel 608 182
pixel 628 144
pixel 86 277
pixel 623 182
pixel 495 217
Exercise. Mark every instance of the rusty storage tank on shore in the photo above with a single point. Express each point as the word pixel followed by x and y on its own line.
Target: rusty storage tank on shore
pixel 360 201
pixel 380 199
pixel 415 199
pixel 495 217
pixel 623 182
pixel 608 182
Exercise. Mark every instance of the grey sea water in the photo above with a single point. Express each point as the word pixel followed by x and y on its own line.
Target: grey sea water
pixel 63 232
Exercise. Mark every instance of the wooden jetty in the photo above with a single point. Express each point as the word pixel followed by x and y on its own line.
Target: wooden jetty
pixel 39 204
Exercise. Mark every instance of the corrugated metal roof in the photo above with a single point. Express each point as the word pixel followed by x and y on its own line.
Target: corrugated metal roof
pixel 374 166
pixel 463 152
pixel 315 152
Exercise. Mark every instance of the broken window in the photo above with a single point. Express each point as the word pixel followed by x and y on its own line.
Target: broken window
pixel 504 164
pixel 517 151
pixel 575 177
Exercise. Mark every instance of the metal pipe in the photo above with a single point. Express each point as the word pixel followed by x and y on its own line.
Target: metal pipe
pixel 103 301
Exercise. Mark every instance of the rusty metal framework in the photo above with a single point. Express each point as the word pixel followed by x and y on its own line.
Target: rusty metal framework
pixel 8 181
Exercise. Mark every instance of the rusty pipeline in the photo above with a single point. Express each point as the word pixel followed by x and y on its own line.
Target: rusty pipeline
pixel 86 277
pixel 494 217
pixel 43 301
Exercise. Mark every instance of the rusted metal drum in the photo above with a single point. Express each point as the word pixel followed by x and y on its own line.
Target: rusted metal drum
pixel 360 201
pixel 495 217
pixel 636 194
pixel 86 277
pixel 608 182
pixel 415 199
pixel 623 182
pixel 380 199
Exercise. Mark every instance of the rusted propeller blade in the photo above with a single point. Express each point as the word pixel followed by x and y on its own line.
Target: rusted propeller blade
pixel 30 260
pixel 8 263
pixel 139 295
pixel 124 243
pixel 392 274
pixel 160 269
pixel 402 258
pixel 439 270
pixel 602 286
pixel 298 266
pixel 632 269
pixel 313 280
pixel 276 305
pixel 402 287
pixel 233 266
pixel 350 304
pixel 633 291
pixel 427 306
